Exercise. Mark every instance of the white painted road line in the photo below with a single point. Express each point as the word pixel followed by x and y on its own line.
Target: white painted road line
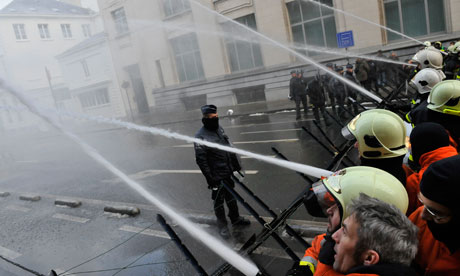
pixel 248 142
pixel 70 218
pixel 10 254
pixel 18 208
pixel 148 173
pixel 270 131
pixel 148 232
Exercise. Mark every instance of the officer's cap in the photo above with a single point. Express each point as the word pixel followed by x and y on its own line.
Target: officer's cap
pixel 339 69
pixel 293 72
pixel 208 109
pixel 329 65
pixel 349 66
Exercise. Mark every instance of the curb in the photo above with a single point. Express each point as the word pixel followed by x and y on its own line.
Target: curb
pixel 67 202
pixel 124 210
pixel 30 197
pixel 4 194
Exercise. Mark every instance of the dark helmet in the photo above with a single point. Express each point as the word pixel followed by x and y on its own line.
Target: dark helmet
pixel 293 72
pixel 339 69
pixel 349 66
pixel 329 65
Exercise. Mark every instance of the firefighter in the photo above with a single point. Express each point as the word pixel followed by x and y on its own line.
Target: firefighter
pixel 429 142
pixel 333 195
pixel 423 82
pixel 438 219
pixel 443 107
pixel 381 140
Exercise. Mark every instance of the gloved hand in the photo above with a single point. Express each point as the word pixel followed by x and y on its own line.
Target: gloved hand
pixel 298 270
pixel 326 254
pixel 290 97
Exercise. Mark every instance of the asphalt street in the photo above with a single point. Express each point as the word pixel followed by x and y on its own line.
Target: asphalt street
pixel 42 236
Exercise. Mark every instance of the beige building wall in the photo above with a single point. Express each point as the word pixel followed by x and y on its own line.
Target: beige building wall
pixel 454 8
pixel 364 34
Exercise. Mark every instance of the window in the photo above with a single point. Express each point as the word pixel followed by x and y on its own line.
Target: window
pixel 44 31
pixel 66 31
pixel 94 98
pixel 312 24
pixel 85 68
pixel 188 58
pixel 242 54
pixel 173 7
pixel 20 31
pixel 121 23
pixel 414 17
pixel 86 30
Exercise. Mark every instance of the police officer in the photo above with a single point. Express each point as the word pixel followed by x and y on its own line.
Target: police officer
pixel 217 166
pixel 330 93
pixel 351 92
pixel 297 92
pixel 315 92
pixel 339 92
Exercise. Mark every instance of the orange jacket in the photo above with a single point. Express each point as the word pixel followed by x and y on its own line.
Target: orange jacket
pixel 433 256
pixel 413 180
pixel 312 253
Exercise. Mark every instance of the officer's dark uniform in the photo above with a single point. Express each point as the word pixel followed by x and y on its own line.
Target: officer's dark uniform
pixel 315 92
pixel 337 88
pixel 351 92
pixel 298 94
pixel 218 166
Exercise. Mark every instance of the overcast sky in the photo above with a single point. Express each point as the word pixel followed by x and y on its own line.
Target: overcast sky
pixel 92 4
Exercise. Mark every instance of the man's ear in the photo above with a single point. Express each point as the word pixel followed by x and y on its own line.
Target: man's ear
pixel 370 257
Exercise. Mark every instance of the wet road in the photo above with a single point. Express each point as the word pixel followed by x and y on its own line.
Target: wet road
pixel 42 236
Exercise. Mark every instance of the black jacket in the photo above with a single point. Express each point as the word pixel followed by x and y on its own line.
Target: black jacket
pixel 337 89
pixel 316 93
pixel 296 87
pixel 215 164
pixel 351 92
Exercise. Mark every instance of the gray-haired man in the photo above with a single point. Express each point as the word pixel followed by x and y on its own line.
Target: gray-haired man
pixel 376 239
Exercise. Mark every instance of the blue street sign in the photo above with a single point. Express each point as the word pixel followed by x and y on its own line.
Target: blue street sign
pixel 345 39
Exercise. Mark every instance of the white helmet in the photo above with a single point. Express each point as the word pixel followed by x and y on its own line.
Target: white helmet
pixel 429 58
pixel 456 48
pixel 427 43
pixel 424 80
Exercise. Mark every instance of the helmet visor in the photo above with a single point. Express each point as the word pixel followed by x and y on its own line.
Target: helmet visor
pixel 347 131
pixel 323 196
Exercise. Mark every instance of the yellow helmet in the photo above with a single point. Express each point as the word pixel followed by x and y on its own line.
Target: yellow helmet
pixel 445 97
pixel 346 185
pixel 380 134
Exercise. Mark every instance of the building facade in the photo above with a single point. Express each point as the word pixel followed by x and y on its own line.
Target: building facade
pixel 180 54
pixel 91 80
pixel 32 33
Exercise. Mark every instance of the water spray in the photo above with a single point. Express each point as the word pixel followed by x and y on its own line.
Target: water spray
pixel 349 54
pixel 211 242
pixel 363 19
pixel 303 57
